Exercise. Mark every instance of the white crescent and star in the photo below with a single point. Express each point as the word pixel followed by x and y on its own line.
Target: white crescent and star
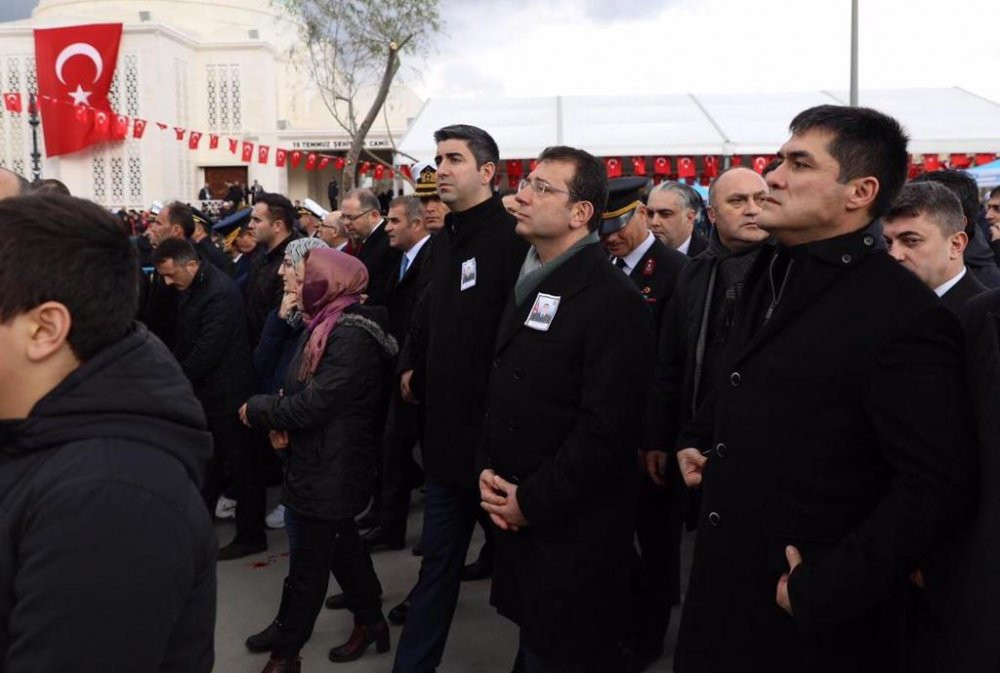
pixel 79 96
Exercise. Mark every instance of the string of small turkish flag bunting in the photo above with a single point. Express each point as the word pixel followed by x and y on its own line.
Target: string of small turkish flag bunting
pixel 118 126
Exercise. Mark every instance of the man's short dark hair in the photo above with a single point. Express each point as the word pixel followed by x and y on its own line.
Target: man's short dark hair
pixel 932 200
pixel 366 199
pixel 64 249
pixel 49 186
pixel 865 143
pixel 964 187
pixel 481 144
pixel 590 178
pixel 414 209
pixel 995 193
pixel 180 214
pixel 177 249
pixel 278 208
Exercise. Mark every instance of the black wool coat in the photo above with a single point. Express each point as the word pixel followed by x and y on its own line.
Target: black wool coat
pixel 655 276
pixel 563 421
pixel 333 418
pixel 382 263
pixel 461 334
pixel 960 293
pixel 211 342
pixel 841 426
pixel 263 289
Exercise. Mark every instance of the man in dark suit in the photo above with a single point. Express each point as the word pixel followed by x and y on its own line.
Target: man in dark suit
pixel 653 268
pixel 672 210
pixel 835 454
pixel 363 221
pixel 476 260
pixel 925 232
pixel 563 421
pixel 404 227
pixel 332 192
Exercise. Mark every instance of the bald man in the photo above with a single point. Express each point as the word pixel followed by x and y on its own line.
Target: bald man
pixel 12 184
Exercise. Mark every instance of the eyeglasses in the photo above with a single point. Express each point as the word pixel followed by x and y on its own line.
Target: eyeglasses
pixel 354 218
pixel 540 187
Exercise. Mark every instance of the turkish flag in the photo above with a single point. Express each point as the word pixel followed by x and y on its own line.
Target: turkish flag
pixel 736 160
pixel 339 163
pixel 407 172
pixel 960 161
pixel 262 153
pixel 12 101
pixel 365 167
pixel 102 123
pixel 661 166
pixel 323 163
pixel 119 128
pixel 638 165
pixel 759 164
pixel 179 132
pixel 515 169
pixel 213 141
pixel 75 66
pixel 233 143
pixel 711 167
pixel 932 163
pixel 379 172
pixel 614 167
pixel 138 127
pixel 247 152
pixel 311 162
pixel 913 171
pixel 194 139
pixel 982 158
pixel 280 157
pixel 82 117
pixel 513 181
pixel 296 158
pixel 533 165
pixel 685 167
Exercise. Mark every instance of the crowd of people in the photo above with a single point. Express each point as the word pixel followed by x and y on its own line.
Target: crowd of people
pixel 805 370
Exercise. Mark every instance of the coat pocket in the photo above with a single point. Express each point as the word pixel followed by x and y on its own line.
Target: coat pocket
pixel 812 551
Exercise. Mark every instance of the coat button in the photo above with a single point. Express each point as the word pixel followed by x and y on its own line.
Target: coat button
pixel 714 519
pixel 486 412
pixel 846 259
pixel 496 363
pixel 518 374
pixel 720 450
pixel 869 240
pixel 512 426
pixel 735 379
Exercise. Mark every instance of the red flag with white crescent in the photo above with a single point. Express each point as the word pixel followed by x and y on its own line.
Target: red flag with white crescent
pixel 102 123
pixel 262 153
pixel 12 101
pixel 138 127
pixel 179 132
pixel 247 152
pixel 296 158
pixel 213 141
pixel 311 162
pixel 233 144
pixel 280 156
pixel 119 127
pixel 323 163
pixel 194 139
pixel 75 65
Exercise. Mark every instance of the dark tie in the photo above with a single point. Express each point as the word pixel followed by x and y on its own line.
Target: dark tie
pixel 620 262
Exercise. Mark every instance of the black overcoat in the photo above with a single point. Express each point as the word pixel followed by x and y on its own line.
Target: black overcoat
pixel 462 332
pixel 563 420
pixel 841 426
pixel 382 263
pixel 656 275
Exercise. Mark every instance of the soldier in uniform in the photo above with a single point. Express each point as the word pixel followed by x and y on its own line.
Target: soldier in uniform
pixel 653 268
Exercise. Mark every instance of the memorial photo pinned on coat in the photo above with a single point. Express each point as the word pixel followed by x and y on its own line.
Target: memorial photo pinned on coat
pixel 468 274
pixel 543 311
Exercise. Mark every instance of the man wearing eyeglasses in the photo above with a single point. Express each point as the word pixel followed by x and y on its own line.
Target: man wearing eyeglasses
pixel 362 219
pixel 474 265
pixel 564 410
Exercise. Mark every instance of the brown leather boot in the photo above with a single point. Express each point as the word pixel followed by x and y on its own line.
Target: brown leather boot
pixel 361 637
pixel 283 666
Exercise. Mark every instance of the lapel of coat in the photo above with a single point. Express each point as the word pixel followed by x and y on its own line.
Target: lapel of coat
pixel 568 280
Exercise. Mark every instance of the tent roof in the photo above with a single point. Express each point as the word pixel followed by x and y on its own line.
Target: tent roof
pixel 938 121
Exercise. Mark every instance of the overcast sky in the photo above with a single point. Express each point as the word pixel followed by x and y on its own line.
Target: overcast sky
pixel 549 47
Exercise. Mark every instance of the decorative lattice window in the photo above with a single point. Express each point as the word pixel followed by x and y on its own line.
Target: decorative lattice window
pixel 100 180
pixel 134 175
pixel 117 180
pixel 224 96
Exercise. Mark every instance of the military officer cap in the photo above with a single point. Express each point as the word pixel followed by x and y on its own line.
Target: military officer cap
pixel 310 207
pixel 426 182
pixel 201 217
pixel 625 195
pixel 233 224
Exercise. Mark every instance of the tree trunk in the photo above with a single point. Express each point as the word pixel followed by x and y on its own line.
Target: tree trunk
pixel 358 141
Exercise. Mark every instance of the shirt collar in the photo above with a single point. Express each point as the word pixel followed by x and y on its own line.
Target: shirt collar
pixel 942 290
pixel 412 253
pixel 685 246
pixel 632 259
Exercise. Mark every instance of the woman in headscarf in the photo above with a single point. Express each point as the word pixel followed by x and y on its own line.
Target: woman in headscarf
pixel 334 391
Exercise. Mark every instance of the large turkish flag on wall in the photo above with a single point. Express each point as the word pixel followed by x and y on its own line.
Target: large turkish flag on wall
pixel 75 65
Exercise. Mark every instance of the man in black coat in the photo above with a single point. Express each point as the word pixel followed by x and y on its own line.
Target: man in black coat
pixel 158 308
pixel 201 239
pixel 211 347
pixel 672 210
pixel 563 419
pixel 475 263
pixel 835 454
pixel 653 268
pixel 925 232
pixel 362 218
pixel 332 192
pixel 400 473
pixel 108 559
pixel 271 221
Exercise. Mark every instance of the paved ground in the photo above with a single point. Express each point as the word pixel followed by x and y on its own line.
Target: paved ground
pixel 480 642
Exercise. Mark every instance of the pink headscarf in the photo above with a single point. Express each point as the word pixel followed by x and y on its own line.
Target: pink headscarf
pixel 333 281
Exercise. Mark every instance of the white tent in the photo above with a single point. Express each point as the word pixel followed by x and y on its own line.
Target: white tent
pixel 947 120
